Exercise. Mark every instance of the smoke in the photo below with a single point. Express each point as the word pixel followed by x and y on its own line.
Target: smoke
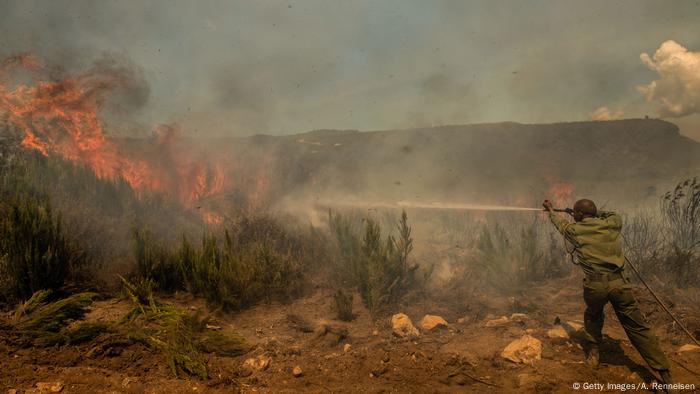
pixel 678 88
pixel 443 99
pixel 605 113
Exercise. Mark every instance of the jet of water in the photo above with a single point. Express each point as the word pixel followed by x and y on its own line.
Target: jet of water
pixel 431 205
pixel 468 207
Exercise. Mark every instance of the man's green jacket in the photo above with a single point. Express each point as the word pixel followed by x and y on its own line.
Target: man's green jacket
pixel 597 241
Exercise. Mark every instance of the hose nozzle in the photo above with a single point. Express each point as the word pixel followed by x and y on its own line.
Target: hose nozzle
pixel 565 210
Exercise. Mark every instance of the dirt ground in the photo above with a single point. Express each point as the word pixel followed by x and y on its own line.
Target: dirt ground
pixel 364 356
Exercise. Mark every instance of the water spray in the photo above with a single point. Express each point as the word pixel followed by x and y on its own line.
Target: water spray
pixel 443 206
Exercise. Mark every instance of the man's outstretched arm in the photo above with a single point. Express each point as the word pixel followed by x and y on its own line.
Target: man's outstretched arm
pixel 563 226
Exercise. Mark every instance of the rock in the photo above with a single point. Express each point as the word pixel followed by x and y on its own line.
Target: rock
pixel 127 381
pixel 557 332
pixel 375 332
pixel 11 391
pixel 518 317
pixel 402 326
pixel 525 350
pixel 463 320
pixel 259 363
pixel 574 326
pixel 461 380
pixel 44 387
pixel 497 322
pixel 526 379
pixel 464 358
pixel 431 322
pixel 297 372
pixel 346 347
pixel 689 347
pixel 379 370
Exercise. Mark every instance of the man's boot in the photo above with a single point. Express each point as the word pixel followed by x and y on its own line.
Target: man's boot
pixel 666 378
pixel 593 357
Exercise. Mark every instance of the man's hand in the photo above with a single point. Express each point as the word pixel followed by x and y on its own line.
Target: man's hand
pixel 548 205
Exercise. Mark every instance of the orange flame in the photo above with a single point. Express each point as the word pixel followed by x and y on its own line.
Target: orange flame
pixel 62 117
pixel 560 193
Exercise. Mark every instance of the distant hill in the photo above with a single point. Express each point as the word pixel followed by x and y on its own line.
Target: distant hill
pixel 501 162
pixel 505 163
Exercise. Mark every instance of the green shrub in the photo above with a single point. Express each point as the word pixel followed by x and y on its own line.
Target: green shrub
pixel 511 257
pixel 39 322
pixel 377 266
pixel 181 337
pixel 258 260
pixel 34 252
pixel 156 263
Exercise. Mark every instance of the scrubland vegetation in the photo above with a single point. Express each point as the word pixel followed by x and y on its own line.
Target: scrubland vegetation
pixel 60 226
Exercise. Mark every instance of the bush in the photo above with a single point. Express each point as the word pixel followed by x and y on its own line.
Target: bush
pixel 680 213
pixel 180 336
pixel 258 261
pixel 34 252
pixel 41 323
pixel 155 263
pixel 377 267
pixel 513 258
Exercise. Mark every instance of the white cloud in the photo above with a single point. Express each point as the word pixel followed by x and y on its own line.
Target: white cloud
pixel 605 113
pixel 678 88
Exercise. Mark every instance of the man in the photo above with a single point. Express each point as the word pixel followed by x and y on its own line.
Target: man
pixel 598 250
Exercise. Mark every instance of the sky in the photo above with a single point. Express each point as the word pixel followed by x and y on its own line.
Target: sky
pixel 236 68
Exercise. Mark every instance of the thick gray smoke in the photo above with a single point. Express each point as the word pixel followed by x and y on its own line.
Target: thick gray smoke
pixel 279 67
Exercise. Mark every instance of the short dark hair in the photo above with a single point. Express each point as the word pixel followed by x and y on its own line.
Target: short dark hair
pixel 586 207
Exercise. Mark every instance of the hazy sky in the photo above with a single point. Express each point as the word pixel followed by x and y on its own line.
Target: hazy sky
pixel 244 67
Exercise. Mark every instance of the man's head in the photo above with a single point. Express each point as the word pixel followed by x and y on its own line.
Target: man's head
pixel 584 209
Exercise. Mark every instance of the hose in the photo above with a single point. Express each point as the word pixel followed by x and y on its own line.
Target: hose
pixel 661 304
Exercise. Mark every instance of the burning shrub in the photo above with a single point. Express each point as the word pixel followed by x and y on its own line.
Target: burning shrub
pixel 34 252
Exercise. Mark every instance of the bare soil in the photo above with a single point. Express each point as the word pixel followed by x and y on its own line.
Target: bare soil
pixel 462 358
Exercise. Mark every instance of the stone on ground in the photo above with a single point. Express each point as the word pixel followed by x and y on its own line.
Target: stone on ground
pixel 431 322
pixel 558 332
pixel 497 322
pixel 688 347
pixel 574 326
pixel 402 326
pixel 297 371
pixel 524 350
pixel 518 317
pixel 526 379
pixel 44 387
pixel 259 363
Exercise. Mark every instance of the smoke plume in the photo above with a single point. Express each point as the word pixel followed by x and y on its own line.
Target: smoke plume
pixel 678 88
